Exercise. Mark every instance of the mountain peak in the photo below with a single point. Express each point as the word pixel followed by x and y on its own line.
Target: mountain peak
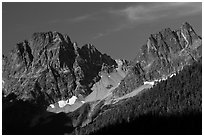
pixel 89 47
pixel 186 25
pixel 51 67
pixel 42 38
pixel 164 53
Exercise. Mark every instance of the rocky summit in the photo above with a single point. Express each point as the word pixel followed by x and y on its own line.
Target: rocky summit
pixel 165 53
pixel 49 67
pixel 88 90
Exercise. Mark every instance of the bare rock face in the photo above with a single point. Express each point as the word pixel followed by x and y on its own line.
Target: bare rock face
pixel 49 67
pixel 164 53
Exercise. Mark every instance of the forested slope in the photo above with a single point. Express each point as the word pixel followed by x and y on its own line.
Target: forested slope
pixel 173 106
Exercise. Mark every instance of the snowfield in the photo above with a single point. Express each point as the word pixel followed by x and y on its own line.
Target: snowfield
pixel 150 83
pixel 70 101
pixel 102 90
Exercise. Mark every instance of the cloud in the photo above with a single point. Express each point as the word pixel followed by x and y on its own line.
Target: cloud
pixel 131 16
pixel 72 20
pixel 80 18
pixel 98 35
pixel 147 12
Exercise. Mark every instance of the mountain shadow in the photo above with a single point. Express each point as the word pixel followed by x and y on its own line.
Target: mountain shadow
pixel 154 124
pixel 23 118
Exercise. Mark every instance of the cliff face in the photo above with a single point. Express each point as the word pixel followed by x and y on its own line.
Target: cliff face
pixel 49 67
pixel 165 52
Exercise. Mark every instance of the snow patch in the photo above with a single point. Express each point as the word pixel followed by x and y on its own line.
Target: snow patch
pixel 62 103
pixel 120 63
pixel 150 83
pixel 162 79
pixel 159 80
pixel 174 74
pixel 83 102
pixel 52 105
pixel 72 100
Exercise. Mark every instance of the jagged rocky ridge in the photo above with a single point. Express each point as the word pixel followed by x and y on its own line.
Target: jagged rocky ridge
pixel 165 53
pixel 49 67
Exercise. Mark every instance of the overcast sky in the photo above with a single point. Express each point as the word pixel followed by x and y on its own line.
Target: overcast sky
pixel 118 29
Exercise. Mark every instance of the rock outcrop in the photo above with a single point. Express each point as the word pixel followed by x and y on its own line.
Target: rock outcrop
pixel 49 67
pixel 165 52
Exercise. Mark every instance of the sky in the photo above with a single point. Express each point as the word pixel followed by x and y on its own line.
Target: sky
pixel 118 29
